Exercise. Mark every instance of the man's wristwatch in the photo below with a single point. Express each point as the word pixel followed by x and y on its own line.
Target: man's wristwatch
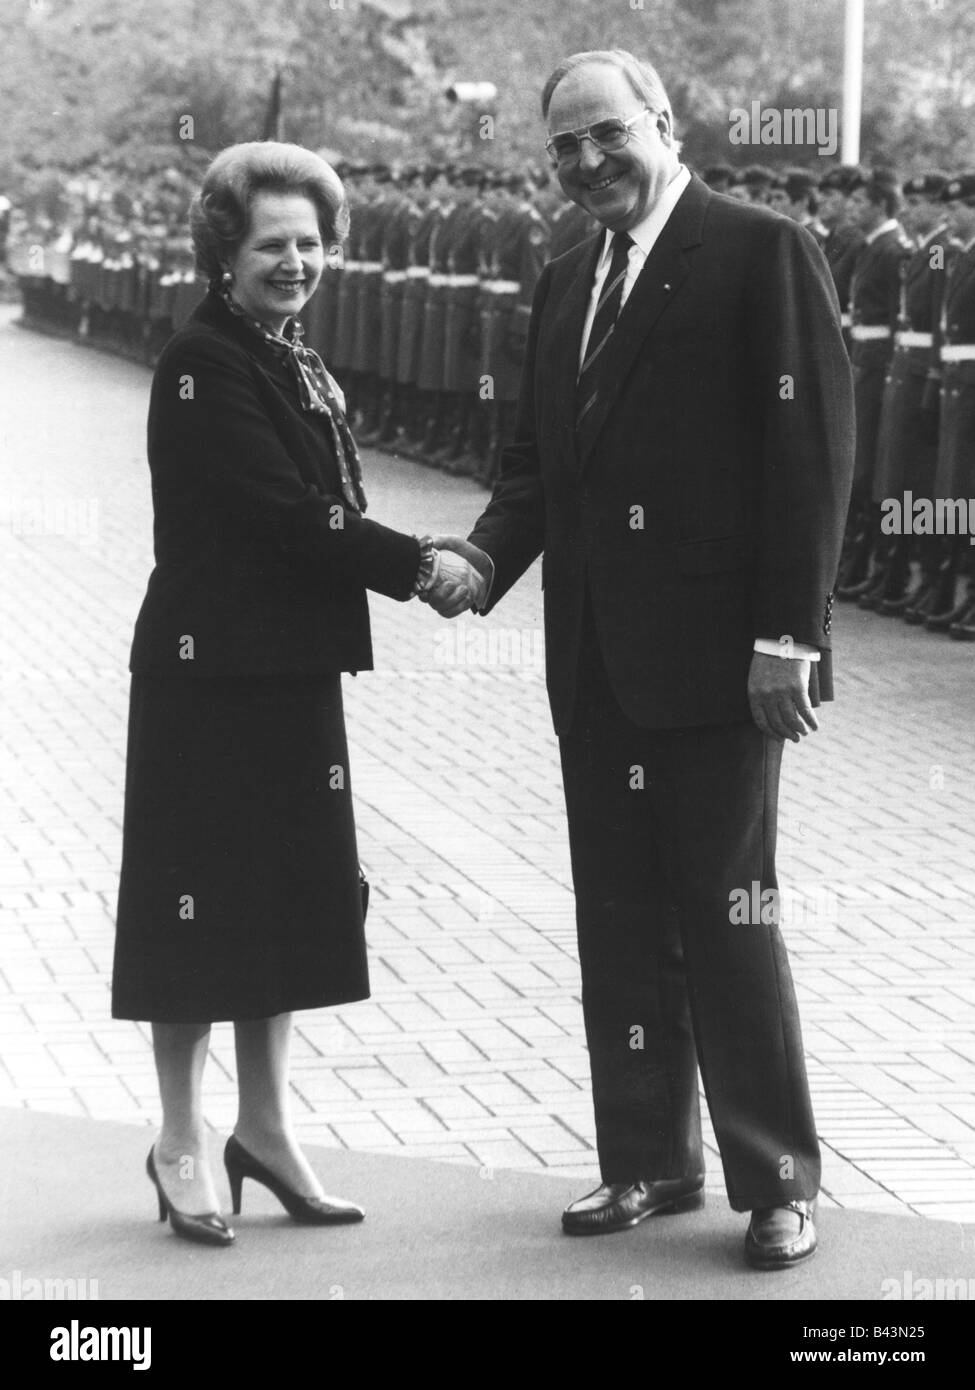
pixel 427 572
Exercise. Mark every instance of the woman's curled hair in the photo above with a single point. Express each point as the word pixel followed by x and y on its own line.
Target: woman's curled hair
pixel 220 212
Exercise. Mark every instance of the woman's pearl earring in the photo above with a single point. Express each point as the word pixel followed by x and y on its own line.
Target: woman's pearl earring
pixel 227 278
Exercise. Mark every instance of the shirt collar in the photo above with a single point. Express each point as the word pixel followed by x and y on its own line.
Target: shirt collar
pixel 887 226
pixel 646 231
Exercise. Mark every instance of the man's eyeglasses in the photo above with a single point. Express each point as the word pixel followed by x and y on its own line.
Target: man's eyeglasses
pixel 566 146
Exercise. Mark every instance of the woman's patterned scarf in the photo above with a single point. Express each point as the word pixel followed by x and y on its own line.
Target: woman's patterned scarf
pixel 318 391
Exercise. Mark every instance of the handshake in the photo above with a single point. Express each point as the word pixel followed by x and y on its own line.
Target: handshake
pixel 461 579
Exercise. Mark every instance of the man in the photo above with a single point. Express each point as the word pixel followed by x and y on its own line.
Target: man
pixel 758 180
pixel 875 286
pixel 955 474
pixel 800 200
pixel 843 239
pixel 908 445
pixel 682 454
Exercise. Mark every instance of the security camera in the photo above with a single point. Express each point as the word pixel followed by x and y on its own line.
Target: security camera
pixel 481 92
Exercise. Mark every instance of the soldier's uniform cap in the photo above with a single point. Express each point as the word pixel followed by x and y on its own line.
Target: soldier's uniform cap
pixel 432 172
pixel 845 177
pixel 382 173
pixel 798 183
pixel 758 176
pixel 472 175
pixel 929 185
pixel 718 173
pixel 960 188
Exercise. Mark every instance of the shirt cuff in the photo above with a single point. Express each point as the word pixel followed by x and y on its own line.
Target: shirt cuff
pixel 785 647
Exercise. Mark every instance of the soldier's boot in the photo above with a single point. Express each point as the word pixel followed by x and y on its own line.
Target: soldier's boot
pixel 448 437
pixel 379 416
pixel 391 420
pixel 371 405
pixel 857 575
pixel 893 577
pixel 434 428
pixel 942 621
pixel 937 595
pixel 928 557
pixel 963 628
pixel 472 437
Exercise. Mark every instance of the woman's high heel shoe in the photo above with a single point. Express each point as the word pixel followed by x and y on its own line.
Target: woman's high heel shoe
pixel 209 1229
pixel 309 1211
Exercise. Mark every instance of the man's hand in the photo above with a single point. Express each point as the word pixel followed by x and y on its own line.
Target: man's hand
pixel 457 588
pixel 466 569
pixel 778 692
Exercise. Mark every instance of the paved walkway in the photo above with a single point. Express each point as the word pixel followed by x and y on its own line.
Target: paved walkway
pixel 471 1048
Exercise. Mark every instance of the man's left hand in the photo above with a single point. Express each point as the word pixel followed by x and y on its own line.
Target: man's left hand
pixel 778 692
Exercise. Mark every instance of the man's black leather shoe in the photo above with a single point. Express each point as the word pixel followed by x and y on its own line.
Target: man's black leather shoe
pixel 616 1206
pixel 781 1236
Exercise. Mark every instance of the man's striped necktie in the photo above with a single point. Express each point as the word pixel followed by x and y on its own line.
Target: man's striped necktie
pixel 604 321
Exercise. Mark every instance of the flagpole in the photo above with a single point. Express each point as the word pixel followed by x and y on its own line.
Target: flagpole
pixel 852 81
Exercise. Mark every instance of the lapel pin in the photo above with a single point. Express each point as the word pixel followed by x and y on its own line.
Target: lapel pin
pixel 666 287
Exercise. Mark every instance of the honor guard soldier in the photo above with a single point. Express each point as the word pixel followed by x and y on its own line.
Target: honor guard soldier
pixel 401 219
pixel 758 181
pixel 521 250
pixel 347 293
pixel 459 244
pixel 373 218
pixel 320 314
pixel 431 372
pixel 419 407
pixel 570 225
pixel 843 239
pixel 955 476
pixel 874 308
pixel 801 201
pixel 719 177
pixel 908 447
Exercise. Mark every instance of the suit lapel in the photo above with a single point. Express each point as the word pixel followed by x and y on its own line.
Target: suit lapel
pixel 659 282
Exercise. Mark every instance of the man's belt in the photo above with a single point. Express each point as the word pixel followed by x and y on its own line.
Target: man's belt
pixel 394 277
pixel 461 281
pixel 437 279
pixel 907 338
pixel 869 332
pixel 417 272
pixel 501 286
pixel 958 352
pixel 371 267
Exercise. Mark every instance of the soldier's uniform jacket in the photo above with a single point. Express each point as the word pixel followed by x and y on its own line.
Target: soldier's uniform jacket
pixel 875 284
pixel 956 454
pixel 464 233
pixel 402 219
pixel 874 307
pixel 908 431
pixel 570 225
pixel 841 248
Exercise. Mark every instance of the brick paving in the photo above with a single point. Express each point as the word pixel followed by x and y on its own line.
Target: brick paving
pixel 471 1048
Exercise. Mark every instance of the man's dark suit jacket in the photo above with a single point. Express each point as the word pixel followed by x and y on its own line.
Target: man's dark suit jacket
pixel 257 557
pixel 727 430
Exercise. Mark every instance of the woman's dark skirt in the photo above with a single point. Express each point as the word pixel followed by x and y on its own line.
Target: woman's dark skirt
pixel 239 894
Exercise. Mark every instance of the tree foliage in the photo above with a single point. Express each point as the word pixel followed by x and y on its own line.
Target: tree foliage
pixel 85 82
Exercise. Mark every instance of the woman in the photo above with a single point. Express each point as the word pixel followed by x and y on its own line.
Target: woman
pixel 240 893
